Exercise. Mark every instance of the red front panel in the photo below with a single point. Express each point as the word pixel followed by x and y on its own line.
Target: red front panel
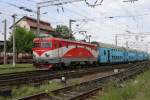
pixel 78 53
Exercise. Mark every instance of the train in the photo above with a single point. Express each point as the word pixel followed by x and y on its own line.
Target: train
pixel 20 58
pixel 50 53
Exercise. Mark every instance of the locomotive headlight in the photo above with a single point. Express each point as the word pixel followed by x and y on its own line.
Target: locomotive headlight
pixel 34 55
pixel 47 55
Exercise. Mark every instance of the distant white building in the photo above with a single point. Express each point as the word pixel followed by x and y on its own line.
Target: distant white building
pixel 31 24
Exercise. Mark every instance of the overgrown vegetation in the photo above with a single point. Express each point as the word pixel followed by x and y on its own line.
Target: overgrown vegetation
pixel 30 90
pixel 23 40
pixel 137 89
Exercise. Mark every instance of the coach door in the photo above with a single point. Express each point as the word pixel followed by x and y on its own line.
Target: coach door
pixel 108 55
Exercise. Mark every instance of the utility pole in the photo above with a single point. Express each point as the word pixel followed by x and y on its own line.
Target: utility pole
pixel 52 3
pixel 70 27
pixel 90 38
pixel 127 44
pixel 5 32
pixel 14 45
pixel 116 41
pixel 38 21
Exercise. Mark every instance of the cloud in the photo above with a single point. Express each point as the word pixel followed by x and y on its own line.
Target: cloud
pixel 102 28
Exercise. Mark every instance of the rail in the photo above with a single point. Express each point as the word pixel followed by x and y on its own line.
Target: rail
pixel 83 90
pixel 9 80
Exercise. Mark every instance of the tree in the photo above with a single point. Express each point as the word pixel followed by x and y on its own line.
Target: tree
pixel 23 40
pixel 64 32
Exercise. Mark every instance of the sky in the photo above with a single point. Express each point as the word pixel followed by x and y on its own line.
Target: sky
pixel 101 22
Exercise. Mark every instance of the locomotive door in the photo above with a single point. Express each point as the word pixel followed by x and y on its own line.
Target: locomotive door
pixel 57 49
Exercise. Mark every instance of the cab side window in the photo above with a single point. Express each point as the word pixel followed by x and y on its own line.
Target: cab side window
pixel 76 46
pixel 66 45
pixel 56 44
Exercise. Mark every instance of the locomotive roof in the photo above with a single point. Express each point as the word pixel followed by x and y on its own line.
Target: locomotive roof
pixel 99 43
pixel 50 38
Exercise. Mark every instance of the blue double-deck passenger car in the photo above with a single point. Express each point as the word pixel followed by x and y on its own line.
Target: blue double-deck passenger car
pixel 132 55
pixel 110 54
pixel 115 54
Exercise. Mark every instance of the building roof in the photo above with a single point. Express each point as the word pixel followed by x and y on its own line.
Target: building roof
pixel 33 23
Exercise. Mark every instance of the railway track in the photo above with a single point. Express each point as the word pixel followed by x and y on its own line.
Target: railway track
pixel 18 61
pixel 82 90
pixel 15 79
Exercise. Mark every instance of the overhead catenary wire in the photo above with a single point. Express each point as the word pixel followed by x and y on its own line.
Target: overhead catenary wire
pixel 75 12
pixel 96 3
pixel 63 2
pixel 22 8
pixel 50 3
pixel 96 19
pixel 125 10
pixel 70 11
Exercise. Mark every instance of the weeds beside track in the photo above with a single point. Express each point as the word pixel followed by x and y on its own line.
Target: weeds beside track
pixel 83 90
pixel 38 76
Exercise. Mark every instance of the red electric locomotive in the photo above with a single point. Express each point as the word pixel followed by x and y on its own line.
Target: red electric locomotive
pixel 51 52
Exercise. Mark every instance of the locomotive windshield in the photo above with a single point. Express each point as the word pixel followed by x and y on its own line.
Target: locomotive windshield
pixel 43 45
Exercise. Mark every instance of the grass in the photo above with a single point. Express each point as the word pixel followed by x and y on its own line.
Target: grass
pixel 19 68
pixel 47 86
pixel 137 89
pixel 26 90
pixel 30 90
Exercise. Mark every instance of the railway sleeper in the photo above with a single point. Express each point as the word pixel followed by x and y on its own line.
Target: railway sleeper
pixel 55 98
pixel 72 93
pixel 60 97
pixel 86 94
pixel 66 95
